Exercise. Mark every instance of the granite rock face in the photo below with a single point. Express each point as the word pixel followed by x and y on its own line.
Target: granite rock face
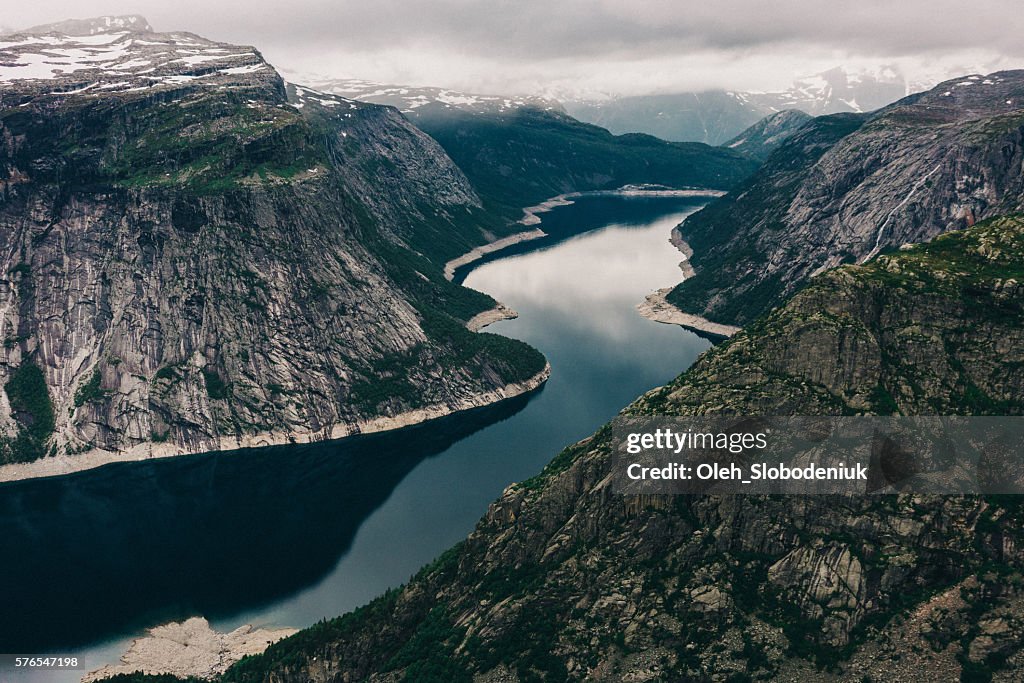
pixel 189 261
pixel 846 187
pixel 564 579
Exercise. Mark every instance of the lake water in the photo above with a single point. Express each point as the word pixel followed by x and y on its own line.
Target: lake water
pixel 287 536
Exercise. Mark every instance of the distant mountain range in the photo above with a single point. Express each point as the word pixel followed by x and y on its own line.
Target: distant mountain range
pixel 758 141
pixel 712 116
pixel 715 116
pixel 415 102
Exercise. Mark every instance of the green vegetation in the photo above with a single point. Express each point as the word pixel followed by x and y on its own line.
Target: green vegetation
pixel 367 394
pixel 212 143
pixel 207 142
pixel 215 386
pixel 30 402
pixel 294 650
pixel 424 282
pixel 524 157
pixel 443 308
pixel 517 360
pixel 961 263
pixel 90 390
pixel 166 372
pixel 527 645
pixel 429 655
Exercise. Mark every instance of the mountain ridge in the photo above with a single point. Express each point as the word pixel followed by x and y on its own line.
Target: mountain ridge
pixel 763 137
pixel 93 25
pixel 845 187
pixel 521 151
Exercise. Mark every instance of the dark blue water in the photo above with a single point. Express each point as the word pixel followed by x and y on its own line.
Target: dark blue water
pixel 286 536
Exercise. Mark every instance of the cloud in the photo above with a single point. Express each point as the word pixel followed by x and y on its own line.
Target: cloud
pixel 514 44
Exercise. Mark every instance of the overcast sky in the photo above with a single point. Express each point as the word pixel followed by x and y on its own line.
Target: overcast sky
pixel 560 46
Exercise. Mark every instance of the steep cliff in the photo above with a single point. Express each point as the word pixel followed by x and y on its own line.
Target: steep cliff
pixel 841 190
pixel 564 579
pixel 191 263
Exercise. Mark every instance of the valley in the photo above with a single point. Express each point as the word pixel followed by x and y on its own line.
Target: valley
pixel 199 256
pixel 317 378
pixel 347 520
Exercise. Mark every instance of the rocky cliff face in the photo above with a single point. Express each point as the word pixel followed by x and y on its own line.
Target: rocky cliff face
pixel 401 174
pixel 189 262
pixel 565 580
pixel 840 192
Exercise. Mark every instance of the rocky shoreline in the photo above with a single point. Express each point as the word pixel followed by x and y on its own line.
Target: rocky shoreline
pixel 479 252
pixel 530 217
pixel 677 241
pixel 657 308
pixel 493 315
pixel 190 648
pixel 60 465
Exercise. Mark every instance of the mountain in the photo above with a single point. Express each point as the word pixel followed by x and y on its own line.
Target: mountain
pixel 93 26
pixel 715 116
pixel 416 101
pixel 711 117
pixel 838 90
pixel 758 141
pixel 565 579
pixel 200 256
pixel 191 262
pixel 845 187
pixel 519 152
pixel 528 155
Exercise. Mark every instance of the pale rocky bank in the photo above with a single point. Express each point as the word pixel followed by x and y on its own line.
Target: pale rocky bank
pixel 190 648
pixel 67 464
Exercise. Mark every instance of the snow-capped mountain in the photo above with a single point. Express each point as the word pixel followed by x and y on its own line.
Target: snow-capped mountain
pixel 837 90
pixel 718 115
pixel 121 54
pixel 417 101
